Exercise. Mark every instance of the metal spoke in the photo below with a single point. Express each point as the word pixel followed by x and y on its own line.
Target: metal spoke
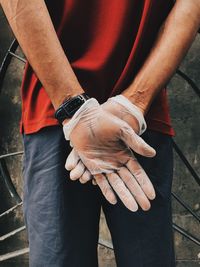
pixel 189 81
pixel 14 254
pixel 10 210
pixel 11 154
pixel 186 163
pixel 189 236
pixel 8 181
pixel 186 207
pixel 17 56
pixel 105 244
pixel 12 233
pixel 6 61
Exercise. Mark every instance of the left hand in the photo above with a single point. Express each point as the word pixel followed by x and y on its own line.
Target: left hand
pixel 130 183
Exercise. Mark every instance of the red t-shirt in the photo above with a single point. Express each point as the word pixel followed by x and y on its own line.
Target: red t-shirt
pixel 106 43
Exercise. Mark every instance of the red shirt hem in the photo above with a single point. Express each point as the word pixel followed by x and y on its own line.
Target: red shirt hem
pixel 34 127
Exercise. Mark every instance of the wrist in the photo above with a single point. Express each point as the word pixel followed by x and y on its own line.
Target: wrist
pixel 59 100
pixel 136 101
pixel 69 107
pixel 133 110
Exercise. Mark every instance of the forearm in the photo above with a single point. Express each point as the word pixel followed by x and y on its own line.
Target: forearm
pixel 36 35
pixel 174 40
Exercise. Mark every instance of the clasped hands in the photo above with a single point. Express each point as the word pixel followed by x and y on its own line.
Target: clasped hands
pixel 104 138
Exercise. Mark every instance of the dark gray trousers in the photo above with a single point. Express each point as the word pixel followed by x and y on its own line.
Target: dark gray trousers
pixel 62 216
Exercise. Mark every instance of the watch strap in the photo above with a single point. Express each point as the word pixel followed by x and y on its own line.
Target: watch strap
pixel 70 106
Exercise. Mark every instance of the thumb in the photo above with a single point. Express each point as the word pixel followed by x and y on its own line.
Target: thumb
pixel 136 143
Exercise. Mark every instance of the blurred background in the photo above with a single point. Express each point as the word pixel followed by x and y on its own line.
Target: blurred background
pixel 184 98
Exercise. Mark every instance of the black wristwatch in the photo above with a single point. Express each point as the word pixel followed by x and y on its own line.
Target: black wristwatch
pixel 70 106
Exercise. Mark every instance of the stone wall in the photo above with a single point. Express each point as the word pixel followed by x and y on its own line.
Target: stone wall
pixel 185 112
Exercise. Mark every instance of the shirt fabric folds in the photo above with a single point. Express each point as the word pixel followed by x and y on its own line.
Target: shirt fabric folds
pixel 106 43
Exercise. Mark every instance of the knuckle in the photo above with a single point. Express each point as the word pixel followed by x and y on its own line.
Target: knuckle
pixel 122 171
